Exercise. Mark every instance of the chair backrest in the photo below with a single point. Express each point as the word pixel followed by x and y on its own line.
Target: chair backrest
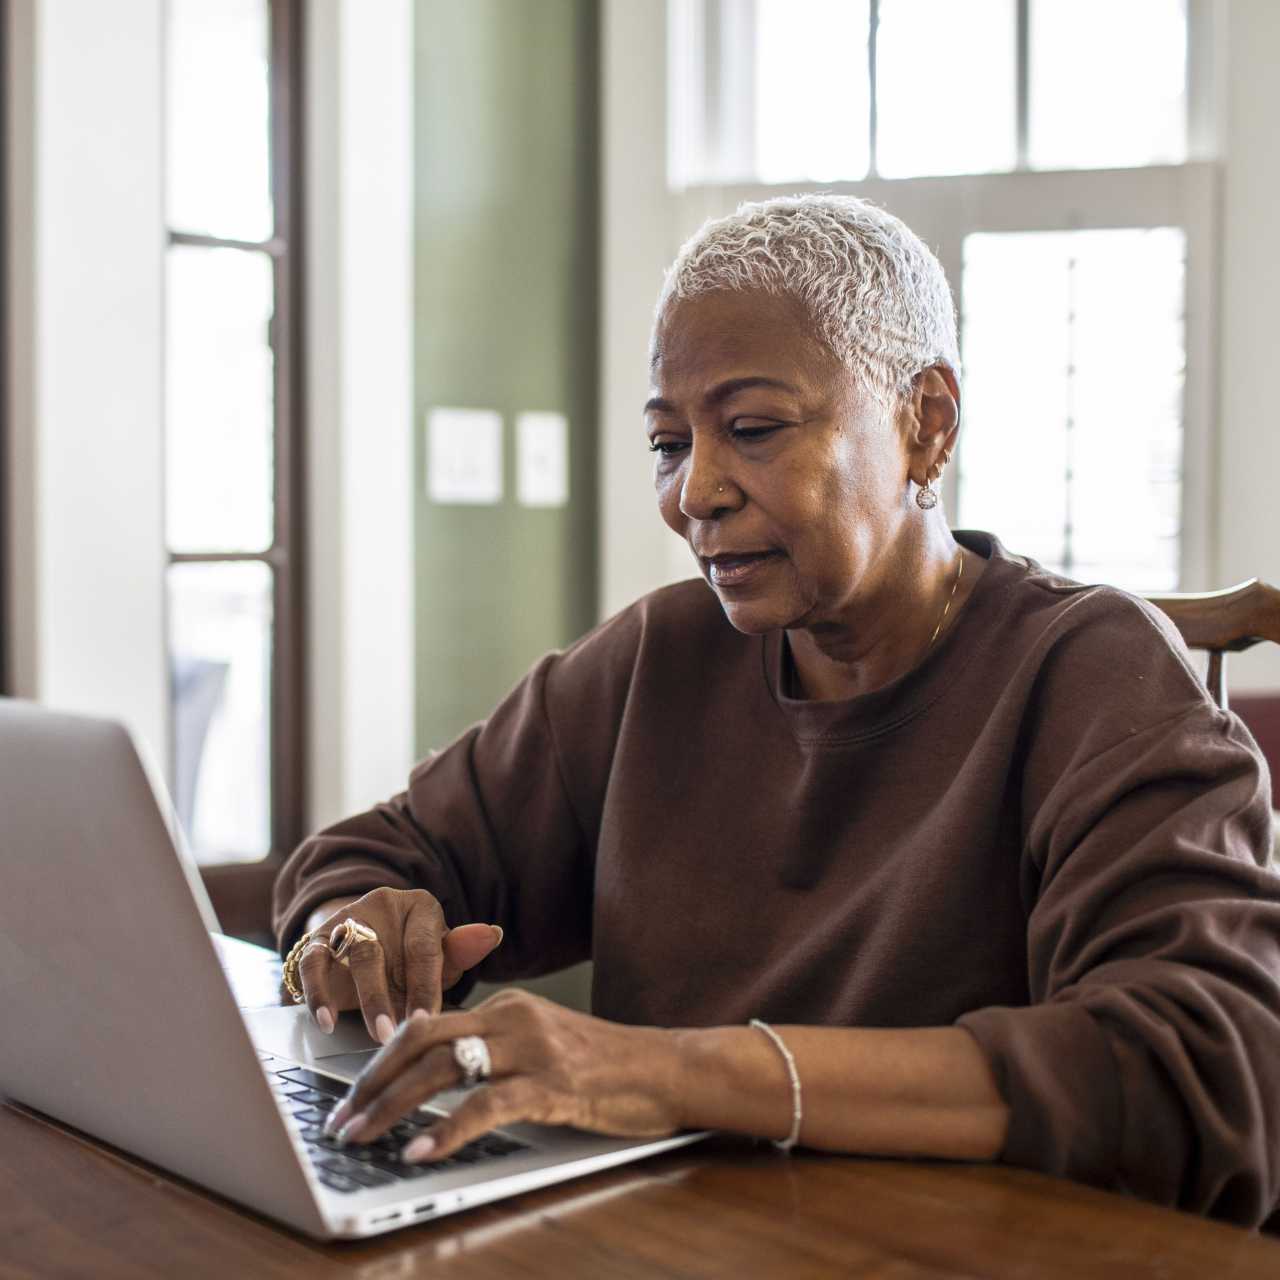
pixel 1224 622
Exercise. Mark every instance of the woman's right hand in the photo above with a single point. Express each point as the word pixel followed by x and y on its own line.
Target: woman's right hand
pixel 414 960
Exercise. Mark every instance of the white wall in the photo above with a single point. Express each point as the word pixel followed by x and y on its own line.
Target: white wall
pixel 1248 471
pixel 86 314
pixel 637 551
pixel 359 339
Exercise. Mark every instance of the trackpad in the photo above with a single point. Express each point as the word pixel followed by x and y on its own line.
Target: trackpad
pixel 290 1032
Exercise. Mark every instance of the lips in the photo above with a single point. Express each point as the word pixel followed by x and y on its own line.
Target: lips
pixel 733 568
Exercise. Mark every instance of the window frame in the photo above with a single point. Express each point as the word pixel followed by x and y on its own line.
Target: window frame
pixel 241 889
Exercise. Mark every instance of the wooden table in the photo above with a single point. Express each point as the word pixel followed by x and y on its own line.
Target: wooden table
pixel 727 1208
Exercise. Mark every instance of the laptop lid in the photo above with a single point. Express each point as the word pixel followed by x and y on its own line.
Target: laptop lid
pixel 103 928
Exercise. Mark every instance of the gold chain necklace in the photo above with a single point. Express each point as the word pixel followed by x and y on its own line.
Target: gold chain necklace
pixel 947 607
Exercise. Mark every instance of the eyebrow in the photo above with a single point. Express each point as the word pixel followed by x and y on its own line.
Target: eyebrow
pixel 721 392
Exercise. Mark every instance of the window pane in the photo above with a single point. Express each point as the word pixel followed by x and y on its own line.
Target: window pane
pixel 218 119
pixel 220 655
pixel 1107 83
pixel 812 94
pixel 220 400
pixel 934 114
pixel 1072 445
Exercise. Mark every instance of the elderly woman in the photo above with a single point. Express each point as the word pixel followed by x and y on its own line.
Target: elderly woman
pixel 971 836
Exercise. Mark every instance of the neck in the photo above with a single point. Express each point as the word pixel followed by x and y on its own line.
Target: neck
pixel 883 629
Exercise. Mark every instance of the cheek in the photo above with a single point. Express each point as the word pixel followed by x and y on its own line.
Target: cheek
pixel 666 486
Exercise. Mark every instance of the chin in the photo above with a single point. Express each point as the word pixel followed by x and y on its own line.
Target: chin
pixel 754 617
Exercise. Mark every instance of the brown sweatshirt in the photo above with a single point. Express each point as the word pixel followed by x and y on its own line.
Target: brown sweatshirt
pixel 1046 833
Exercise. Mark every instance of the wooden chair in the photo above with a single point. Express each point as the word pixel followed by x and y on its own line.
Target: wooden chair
pixel 1223 622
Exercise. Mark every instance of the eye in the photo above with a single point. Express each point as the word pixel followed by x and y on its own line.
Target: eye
pixel 751 430
pixel 668 448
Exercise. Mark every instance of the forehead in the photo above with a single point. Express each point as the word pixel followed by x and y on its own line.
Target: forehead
pixel 732 333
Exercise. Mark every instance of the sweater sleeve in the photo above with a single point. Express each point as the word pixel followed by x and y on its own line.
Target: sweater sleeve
pixel 1149 1059
pixel 493 825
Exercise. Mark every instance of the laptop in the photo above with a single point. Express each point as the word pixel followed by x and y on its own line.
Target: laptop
pixel 118 1019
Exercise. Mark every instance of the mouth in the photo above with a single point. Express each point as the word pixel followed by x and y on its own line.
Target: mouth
pixel 733 569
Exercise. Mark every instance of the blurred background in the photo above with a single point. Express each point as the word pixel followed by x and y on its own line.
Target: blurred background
pixel 326 323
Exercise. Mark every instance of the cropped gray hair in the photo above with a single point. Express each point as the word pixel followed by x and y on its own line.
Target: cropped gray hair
pixel 876 294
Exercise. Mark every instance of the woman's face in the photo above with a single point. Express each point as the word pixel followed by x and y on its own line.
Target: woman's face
pixel 785 477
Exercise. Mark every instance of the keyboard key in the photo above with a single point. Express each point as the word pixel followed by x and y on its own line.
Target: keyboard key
pixel 365 1176
pixel 308 1116
pixel 314 1080
pixel 397 1169
pixel 339 1182
pixel 494 1144
pixel 310 1096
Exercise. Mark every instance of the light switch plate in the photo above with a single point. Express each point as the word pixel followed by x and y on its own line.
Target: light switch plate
pixel 464 456
pixel 542 459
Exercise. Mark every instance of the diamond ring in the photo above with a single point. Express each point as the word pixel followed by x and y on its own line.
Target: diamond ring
pixel 472 1056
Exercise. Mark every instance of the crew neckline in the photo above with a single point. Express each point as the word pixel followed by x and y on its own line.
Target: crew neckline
pixel 868 715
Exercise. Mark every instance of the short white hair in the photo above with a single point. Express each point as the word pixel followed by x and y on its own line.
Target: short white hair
pixel 877 296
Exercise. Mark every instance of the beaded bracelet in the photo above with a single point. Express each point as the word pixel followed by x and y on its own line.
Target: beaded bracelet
pixel 797 1111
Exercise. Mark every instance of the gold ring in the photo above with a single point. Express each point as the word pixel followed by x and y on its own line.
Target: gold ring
pixel 291 962
pixel 345 936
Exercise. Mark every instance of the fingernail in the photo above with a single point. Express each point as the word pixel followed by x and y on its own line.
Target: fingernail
pixel 325 1019
pixel 337 1117
pixel 353 1126
pixel 497 933
pixel 418 1149
pixel 420 1012
pixel 383 1028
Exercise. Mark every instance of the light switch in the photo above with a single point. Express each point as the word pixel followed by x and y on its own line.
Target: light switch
pixel 464 456
pixel 542 459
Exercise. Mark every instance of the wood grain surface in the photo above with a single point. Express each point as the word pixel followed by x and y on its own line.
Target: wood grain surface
pixel 71 1207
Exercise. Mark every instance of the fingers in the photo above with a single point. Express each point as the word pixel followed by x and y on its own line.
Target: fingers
pixel 313 970
pixel 465 947
pixel 430 1074
pixel 403 1062
pixel 368 968
pixel 507 1102
pixel 422 940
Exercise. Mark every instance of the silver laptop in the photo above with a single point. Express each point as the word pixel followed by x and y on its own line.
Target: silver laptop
pixel 117 1018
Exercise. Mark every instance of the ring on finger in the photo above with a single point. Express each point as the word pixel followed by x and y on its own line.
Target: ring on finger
pixel 345 936
pixel 472 1056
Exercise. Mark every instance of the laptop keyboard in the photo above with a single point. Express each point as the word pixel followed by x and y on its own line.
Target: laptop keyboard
pixel 310 1097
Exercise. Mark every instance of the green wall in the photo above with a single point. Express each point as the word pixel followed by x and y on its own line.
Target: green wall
pixel 505 318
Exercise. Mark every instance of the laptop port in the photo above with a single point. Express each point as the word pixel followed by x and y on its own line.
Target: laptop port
pixel 384 1217
pixel 423 1209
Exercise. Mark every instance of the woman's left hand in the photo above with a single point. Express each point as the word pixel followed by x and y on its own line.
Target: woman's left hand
pixel 549 1064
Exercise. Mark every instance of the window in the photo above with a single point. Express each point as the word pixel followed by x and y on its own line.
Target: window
pixel 1086 327
pixel 785 91
pixel 232 427
pixel 1076 229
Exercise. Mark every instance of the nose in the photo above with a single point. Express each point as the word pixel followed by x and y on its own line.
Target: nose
pixel 707 489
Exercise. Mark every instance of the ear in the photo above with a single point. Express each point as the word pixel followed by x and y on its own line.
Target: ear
pixel 932 421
